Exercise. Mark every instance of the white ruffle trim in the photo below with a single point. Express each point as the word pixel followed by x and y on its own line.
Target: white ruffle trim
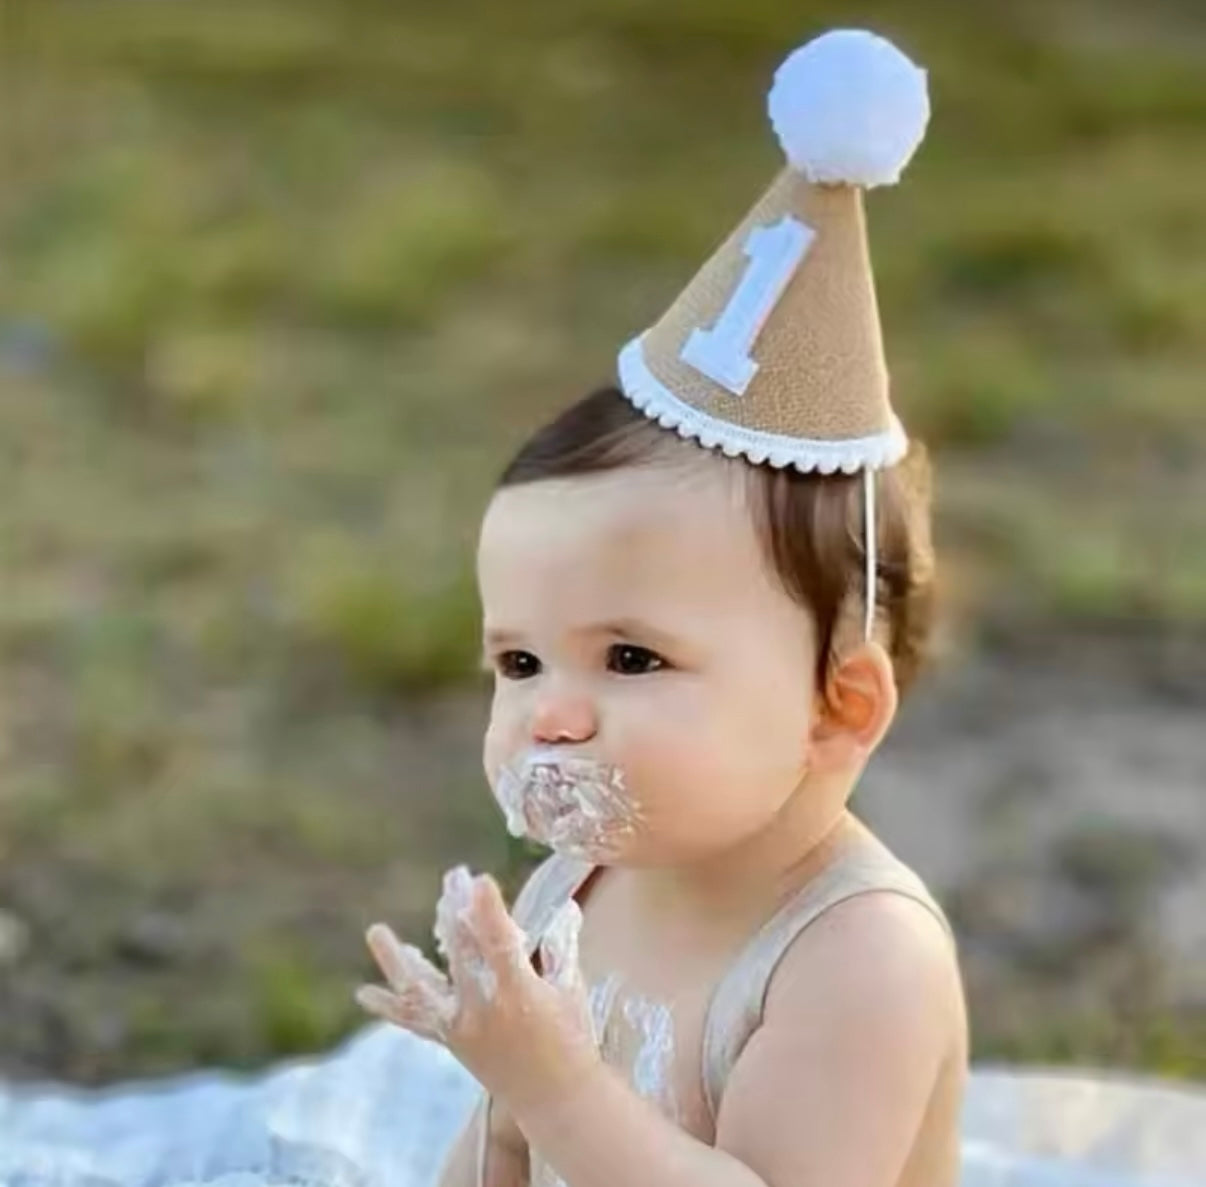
pixel 848 455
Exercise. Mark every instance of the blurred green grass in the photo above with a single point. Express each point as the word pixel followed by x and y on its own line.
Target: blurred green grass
pixel 281 285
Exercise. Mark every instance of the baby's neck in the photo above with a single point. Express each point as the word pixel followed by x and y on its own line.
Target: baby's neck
pixel 744 884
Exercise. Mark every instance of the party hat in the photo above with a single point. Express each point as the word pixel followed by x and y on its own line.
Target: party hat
pixel 773 350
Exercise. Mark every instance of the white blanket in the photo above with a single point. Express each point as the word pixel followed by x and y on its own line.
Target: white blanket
pixel 380 1110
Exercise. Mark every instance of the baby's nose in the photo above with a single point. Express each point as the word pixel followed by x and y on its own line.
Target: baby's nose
pixel 563 717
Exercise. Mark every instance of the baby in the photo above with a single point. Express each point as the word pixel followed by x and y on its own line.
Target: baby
pixel 703 592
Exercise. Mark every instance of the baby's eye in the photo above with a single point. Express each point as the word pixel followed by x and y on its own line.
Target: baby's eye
pixel 631 660
pixel 625 658
pixel 517 665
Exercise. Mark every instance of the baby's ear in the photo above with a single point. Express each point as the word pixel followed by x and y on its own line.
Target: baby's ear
pixel 858 706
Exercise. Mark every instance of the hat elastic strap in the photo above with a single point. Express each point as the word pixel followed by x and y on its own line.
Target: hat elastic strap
pixel 869 549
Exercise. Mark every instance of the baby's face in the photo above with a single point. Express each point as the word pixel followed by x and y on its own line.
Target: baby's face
pixel 653 684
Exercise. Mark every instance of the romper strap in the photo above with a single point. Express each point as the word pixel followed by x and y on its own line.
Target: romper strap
pixel 863 864
pixel 549 885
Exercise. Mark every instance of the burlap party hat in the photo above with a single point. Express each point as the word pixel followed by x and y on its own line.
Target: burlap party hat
pixel 773 350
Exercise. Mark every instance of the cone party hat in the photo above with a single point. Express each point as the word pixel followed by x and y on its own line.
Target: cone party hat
pixel 773 351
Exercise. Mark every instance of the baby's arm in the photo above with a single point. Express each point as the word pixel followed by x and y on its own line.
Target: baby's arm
pixel 829 1091
pixel 506 1154
pixel 860 1016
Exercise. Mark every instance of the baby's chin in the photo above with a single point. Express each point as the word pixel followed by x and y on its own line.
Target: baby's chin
pixel 648 850
pixel 644 845
pixel 600 855
pixel 578 806
pixel 633 852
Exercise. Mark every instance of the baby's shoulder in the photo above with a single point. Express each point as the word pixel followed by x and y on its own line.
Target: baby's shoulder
pixel 878 952
pixel 862 1018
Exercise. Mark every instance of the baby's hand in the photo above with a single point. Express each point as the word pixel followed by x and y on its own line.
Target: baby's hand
pixel 525 1038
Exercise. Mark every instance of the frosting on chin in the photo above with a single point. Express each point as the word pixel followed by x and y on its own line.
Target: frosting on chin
pixel 576 805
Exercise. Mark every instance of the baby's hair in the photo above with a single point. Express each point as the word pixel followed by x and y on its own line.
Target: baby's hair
pixel 809 524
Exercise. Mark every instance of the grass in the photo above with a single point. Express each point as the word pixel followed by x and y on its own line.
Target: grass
pixel 1161 1044
pixel 282 284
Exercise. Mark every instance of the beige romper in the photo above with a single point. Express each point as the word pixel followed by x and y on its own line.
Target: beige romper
pixel 860 865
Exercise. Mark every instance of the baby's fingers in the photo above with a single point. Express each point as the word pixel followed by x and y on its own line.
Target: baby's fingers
pixel 406 1010
pixel 422 999
pixel 403 965
pixel 483 946
pixel 500 939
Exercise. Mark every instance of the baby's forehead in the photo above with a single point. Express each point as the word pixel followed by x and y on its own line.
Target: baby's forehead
pixel 606 514
pixel 673 534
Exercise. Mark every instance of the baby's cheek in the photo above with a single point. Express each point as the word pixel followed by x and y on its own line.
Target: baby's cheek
pixel 494 749
pixel 709 794
pixel 671 776
pixel 505 728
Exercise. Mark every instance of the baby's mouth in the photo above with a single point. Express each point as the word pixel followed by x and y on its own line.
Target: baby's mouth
pixel 570 803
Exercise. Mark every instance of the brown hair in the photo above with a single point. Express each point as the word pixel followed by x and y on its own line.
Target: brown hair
pixel 809 525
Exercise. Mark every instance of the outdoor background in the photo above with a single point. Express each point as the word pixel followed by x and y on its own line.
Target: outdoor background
pixel 283 282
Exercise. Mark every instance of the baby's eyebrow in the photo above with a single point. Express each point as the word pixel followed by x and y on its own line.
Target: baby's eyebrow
pixel 498 637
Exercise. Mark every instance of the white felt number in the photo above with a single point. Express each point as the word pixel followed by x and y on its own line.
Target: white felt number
pixel 723 352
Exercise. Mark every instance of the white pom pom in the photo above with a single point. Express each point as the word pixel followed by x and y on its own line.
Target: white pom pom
pixel 849 108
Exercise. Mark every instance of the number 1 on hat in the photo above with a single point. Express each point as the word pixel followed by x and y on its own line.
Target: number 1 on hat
pixel 723 352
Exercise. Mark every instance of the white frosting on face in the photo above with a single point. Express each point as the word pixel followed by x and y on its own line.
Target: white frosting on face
pixel 576 805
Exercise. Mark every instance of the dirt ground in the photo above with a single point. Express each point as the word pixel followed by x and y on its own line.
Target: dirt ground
pixel 1050 790
pixel 1053 795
